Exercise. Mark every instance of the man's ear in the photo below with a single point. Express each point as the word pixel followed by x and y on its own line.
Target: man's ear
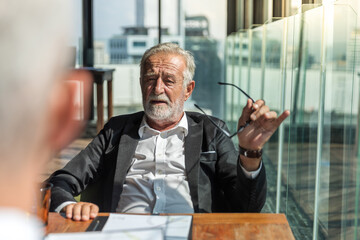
pixel 69 108
pixel 189 89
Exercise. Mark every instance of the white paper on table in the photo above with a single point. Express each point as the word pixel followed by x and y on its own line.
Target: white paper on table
pixel 174 227
pixel 149 234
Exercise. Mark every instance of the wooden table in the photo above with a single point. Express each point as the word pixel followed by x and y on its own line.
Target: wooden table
pixel 207 226
pixel 100 76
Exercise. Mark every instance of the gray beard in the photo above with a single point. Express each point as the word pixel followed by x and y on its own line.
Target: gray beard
pixel 164 113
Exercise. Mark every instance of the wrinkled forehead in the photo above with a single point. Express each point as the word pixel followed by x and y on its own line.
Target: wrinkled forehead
pixel 165 62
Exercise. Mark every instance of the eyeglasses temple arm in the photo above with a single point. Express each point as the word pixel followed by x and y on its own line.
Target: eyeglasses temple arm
pixel 230 84
pixel 241 128
pixel 212 121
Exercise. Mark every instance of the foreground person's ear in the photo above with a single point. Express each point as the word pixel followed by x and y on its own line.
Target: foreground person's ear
pixel 69 97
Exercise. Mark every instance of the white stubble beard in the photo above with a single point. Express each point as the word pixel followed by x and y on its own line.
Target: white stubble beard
pixel 167 113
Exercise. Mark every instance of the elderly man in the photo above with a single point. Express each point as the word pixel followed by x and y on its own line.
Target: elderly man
pixel 36 105
pixel 165 160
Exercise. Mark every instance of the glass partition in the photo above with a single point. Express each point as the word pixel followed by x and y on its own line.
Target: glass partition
pixel 236 104
pixel 272 92
pixel 305 101
pixel 337 176
pixel 306 63
pixel 204 26
pixel 230 61
pixel 255 72
pixel 244 65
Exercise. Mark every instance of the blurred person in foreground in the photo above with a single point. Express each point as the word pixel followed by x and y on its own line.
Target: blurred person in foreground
pixel 36 105
pixel 166 160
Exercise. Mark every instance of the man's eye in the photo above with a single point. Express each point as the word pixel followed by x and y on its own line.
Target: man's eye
pixel 169 81
pixel 151 79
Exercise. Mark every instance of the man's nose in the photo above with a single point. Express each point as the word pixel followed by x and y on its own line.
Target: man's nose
pixel 159 86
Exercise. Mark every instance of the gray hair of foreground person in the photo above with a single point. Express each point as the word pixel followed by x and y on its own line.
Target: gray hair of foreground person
pixel 172 48
pixel 36 104
pixel 33 54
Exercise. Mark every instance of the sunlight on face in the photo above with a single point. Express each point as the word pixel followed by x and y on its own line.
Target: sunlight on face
pixel 162 87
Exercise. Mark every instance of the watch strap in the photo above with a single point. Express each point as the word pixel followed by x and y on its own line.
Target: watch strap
pixel 250 153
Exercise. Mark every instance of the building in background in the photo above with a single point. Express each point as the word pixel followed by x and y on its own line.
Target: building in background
pixel 128 47
pixel 101 55
pixel 207 92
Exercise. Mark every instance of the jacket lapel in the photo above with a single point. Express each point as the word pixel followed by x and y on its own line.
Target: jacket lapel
pixel 193 142
pixel 127 147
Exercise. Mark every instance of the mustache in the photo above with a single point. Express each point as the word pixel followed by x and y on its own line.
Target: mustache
pixel 162 97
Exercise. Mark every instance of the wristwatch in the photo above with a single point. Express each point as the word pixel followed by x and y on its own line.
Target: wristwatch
pixel 250 153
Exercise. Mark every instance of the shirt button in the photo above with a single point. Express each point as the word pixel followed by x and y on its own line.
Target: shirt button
pixel 158 188
pixel 159 172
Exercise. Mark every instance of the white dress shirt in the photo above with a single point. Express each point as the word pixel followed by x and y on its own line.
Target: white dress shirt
pixel 156 181
pixel 17 225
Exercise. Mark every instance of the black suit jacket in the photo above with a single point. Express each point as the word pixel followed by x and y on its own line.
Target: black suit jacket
pixel 216 181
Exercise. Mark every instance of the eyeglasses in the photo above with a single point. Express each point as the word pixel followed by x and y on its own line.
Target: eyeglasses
pixel 216 125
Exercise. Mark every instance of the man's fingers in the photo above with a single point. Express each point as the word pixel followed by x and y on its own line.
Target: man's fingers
pixel 266 120
pixel 85 212
pixel 248 107
pixel 247 110
pixel 94 210
pixel 77 212
pixel 258 113
pixel 282 117
pixel 81 211
pixel 260 102
pixel 69 210
pixel 270 115
pixel 270 120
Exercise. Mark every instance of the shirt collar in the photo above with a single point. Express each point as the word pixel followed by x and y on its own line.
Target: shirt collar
pixel 183 124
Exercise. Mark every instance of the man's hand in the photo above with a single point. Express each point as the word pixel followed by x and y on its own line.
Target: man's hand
pixel 81 211
pixel 263 123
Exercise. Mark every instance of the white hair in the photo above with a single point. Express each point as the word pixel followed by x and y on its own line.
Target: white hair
pixel 33 38
pixel 172 48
